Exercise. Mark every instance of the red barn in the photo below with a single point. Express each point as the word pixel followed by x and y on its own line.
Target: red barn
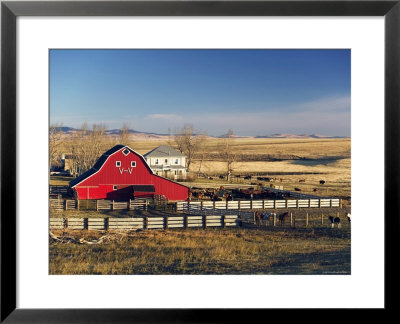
pixel 122 174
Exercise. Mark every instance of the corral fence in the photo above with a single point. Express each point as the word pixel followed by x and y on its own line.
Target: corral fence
pixel 135 223
pixel 244 219
pixel 183 206
pixel 58 204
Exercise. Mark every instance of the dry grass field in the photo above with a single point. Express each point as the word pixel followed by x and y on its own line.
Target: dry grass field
pixel 211 251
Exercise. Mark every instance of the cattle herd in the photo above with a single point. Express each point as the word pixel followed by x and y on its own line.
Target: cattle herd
pixel 221 193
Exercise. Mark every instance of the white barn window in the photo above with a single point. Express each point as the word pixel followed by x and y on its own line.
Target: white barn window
pixel 117 164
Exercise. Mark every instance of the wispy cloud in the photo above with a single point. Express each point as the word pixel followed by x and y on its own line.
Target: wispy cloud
pixel 168 117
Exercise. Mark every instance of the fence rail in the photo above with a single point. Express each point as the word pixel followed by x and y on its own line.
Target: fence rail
pixel 133 223
pixel 59 204
pixel 183 206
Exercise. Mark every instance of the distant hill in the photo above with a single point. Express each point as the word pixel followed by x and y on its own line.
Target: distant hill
pixel 134 134
pixel 299 136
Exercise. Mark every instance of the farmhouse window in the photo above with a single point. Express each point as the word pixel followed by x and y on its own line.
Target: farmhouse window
pixel 117 164
pixel 115 187
pixel 176 161
pixel 126 152
pixel 133 164
pixel 166 161
pixel 156 161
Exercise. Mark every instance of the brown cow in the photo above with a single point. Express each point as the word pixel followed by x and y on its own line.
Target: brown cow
pixel 257 217
pixel 282 218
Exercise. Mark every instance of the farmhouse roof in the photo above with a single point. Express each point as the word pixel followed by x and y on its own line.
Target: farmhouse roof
pixel 100 162
pixel 163 151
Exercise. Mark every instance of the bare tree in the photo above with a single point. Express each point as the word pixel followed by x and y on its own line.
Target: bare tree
pixel 124 135
pixel 86 147
pixel 202 151
pixel 228 154
pixel 55 141
pixel 188 142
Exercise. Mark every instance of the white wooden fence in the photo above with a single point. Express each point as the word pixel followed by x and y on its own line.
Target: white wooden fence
pixel 70 204
pixel 183 206
pixel 133 223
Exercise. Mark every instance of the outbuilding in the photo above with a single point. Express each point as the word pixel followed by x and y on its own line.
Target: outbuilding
pixel 121 174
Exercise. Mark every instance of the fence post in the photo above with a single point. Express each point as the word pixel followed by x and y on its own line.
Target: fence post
pixel 146 222
pixel 204 221
pixel 201 205
pixel 263 204
pixel 129 204
pixel 213 205
pixel 297 204
pixel 274 219
pixel 65 204
pixel 65 222
pixel 239 204
pixel 185 221
pixel 223 220
pixel 106 223
pixel 112 205
pixel 77 204
pixel 251 204
pixel 291 219
pixel 322 219
pixel 306 219
pixel 97 205
pixel 85 224
pixel 165 222
pixel 340 203
pixel 254 217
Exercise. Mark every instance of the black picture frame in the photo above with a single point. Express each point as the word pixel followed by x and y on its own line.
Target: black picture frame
pixel 10 10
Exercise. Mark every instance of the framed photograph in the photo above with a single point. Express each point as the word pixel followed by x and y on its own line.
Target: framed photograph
pixel 271 126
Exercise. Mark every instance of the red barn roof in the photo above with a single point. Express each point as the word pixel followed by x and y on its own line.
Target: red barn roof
pixel 122 173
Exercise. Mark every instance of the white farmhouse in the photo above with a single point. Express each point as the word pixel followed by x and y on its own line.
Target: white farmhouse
pixel 167 162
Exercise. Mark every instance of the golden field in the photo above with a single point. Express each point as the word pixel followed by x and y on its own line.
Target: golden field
pixel 310 159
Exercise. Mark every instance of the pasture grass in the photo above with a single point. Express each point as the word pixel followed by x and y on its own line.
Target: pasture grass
pixel 212 251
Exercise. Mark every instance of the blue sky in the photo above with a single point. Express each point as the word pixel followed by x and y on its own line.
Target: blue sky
pixel 252 92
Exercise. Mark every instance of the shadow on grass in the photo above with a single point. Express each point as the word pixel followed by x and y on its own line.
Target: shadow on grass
pixel 316 162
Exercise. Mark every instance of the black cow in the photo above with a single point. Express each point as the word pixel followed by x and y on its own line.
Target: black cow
pixel 334 220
